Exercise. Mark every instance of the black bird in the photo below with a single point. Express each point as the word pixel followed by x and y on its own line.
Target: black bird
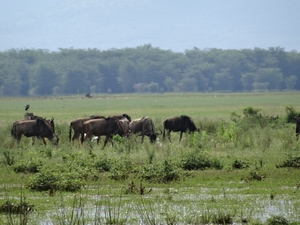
pixel 27 107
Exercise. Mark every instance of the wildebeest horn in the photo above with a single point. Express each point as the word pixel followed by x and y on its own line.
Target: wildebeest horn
pixel 160 132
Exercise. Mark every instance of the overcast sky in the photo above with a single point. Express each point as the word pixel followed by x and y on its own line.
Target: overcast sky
pixel 168 24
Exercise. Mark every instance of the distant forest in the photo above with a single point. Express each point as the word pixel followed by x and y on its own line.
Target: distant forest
pixel 33 72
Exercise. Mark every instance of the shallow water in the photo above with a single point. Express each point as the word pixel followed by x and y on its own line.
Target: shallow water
pixel 187 205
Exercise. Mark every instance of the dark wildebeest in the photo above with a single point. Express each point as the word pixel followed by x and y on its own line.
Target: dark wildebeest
pixel 31 116
pixel 102 127
pixel 39 128
pixel 297 127
pixel 76 125
pixel 144 126
pixel 179 123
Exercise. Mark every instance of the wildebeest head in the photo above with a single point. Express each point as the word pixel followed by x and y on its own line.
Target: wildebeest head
pixel 188 123
pixel 144 126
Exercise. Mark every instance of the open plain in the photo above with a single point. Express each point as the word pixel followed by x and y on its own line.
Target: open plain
pixel 242 167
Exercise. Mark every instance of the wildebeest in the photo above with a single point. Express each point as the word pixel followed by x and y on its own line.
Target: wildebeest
pixel 102 127
pixel 39 128
pixel 297 127
pixel 119 117
pixel 76 126
pixel 179 123
pixel 144 126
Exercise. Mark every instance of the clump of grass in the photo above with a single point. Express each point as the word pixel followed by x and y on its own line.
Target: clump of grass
pixel 30 166
pixel 291 161
pixel 240 164
pixel 17 212
pixel 162 172
pixel 47 180
pixel 9 158
pixel 195 160
pixel 277 220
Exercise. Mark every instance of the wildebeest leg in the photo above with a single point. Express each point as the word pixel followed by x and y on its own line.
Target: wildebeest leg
pixel 32 140
pixel 43 140
pixel 164 133
pixel 143 135
pixel 180 135
pixel 76 135
pixel 106 140
pixel 169 135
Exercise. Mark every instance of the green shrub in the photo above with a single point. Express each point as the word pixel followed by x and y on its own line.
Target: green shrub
pixel 47 180
pixel 163 172
pixel 292 115
pixel 291 161
pixel 240 164
pixel 277 220
pixel 121 169
pixel 13 207
pixel 9 158
pixel 103 164
pixel 199 161
pixel 27 167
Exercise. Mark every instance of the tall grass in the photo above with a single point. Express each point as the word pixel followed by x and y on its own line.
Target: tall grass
pixel 236 158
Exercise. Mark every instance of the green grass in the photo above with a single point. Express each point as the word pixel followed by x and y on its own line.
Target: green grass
pixel 197 195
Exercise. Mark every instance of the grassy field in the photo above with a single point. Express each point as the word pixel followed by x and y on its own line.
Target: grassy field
pixel 229 171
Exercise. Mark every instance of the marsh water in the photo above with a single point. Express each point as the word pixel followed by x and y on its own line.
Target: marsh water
pixel 182 206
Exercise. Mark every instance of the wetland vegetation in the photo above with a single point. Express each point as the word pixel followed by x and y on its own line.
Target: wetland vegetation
pixel 242 168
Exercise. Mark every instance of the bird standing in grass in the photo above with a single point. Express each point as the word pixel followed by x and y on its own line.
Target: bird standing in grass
pixel 27 107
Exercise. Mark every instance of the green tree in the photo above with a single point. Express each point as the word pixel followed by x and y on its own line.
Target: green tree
pixel 76 82
pixel 247 81
pixel 223 80
pixel 290 82
pixel 272 76
pixel 46 80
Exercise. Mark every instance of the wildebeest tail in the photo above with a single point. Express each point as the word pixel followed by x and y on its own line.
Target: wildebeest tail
pixel 82 133
pixel 70 132
pixel 164 132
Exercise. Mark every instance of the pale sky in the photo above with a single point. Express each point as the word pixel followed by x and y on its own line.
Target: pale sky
pixel 168 24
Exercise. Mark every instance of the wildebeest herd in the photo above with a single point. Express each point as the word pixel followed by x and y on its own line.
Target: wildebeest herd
pixel 96 126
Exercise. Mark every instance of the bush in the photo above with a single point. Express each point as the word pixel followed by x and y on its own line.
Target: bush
pixel 103 164
pixel 240 164
pixel 121 169
pixel 291 161
pixel 198 161
pixel 27 167
pixel 164 172
pixel 12 207
pixel 277 220
pixel 292 115
pixel 56 181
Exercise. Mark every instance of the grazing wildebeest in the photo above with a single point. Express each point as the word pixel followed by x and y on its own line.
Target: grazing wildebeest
pixel 144 126
pixel 39 128
pixel 76 125
pixel 297 127
pixel 102 127
pixel 179 123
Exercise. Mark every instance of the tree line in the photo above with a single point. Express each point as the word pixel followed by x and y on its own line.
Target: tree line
pixel 30 72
